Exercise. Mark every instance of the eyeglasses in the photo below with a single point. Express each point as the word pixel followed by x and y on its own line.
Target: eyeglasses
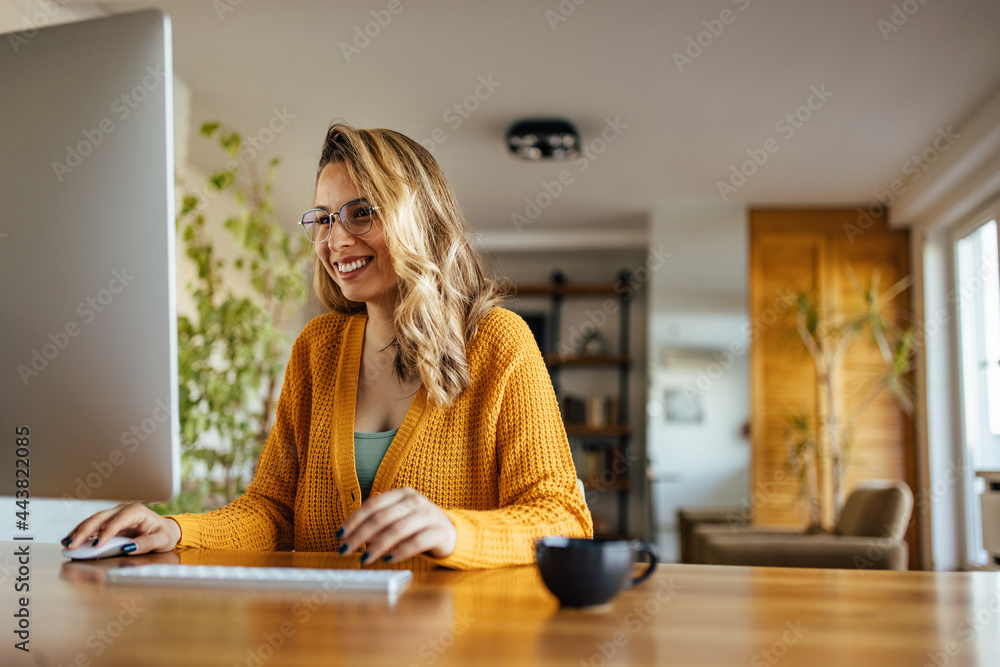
pixel 356 217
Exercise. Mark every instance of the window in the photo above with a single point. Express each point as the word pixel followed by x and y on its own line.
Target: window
pixel 978 300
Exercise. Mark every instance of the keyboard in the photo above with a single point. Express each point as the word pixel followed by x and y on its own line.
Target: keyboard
pixel 387 581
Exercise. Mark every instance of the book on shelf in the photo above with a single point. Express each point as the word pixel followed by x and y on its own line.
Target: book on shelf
pixel 595 411
pixel 599 465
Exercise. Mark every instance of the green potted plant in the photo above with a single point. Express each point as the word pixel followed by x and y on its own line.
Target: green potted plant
pixel 819 443
pixel 233 347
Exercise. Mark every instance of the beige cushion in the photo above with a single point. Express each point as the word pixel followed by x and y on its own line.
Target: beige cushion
pixel 825 551
pixel 704 533
pixel 869 535
pixel 876 509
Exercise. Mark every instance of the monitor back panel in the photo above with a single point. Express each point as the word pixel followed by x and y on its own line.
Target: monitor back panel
pixel 87 276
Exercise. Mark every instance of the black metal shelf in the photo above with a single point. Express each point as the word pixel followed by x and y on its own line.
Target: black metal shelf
pixel 618 433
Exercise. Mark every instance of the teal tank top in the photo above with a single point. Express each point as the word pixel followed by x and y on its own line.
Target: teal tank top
pixel 369 450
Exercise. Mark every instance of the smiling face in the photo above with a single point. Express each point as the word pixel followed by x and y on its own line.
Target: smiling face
pixel 359 265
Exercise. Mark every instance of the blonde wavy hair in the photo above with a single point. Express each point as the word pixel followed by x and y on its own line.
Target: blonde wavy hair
pixel 444 284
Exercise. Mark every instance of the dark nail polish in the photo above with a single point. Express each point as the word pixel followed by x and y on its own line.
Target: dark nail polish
pixel 339 533
pixel 65 541
pixel 94 543
pixel 364 557
pixel 129 548
pixel 387 558
pixel 342 549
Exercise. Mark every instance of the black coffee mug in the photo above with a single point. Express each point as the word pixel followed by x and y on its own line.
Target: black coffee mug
pixel 583 573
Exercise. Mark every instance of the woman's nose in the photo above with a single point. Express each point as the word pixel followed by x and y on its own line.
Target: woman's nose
pixel 339 237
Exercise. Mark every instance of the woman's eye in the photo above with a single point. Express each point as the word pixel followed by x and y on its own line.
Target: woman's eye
pixel 359 213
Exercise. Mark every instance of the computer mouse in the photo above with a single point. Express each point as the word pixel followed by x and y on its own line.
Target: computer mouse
pixel 87 552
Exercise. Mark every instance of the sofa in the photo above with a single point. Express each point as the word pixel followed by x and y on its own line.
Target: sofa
pixel 869 534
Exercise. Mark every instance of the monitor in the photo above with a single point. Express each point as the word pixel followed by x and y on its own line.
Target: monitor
pixel 88 345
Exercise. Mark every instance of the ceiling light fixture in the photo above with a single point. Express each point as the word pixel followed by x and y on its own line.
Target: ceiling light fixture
pixel 543 139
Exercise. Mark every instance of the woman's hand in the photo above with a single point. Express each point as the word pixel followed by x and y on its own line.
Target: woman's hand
pixel 400 517
pixel 151 531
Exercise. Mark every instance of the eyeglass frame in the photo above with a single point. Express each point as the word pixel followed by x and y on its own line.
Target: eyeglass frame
pixel 340 217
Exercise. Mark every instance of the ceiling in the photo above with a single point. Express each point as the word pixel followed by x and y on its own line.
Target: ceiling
pixel 889 81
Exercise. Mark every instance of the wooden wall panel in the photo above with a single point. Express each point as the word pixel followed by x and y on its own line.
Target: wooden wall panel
pixel 811 250
pixel 787 265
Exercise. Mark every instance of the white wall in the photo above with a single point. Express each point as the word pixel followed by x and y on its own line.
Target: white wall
pixel 697 319
pixel 962 181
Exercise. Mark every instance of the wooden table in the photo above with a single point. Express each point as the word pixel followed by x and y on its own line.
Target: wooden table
pixel 684 615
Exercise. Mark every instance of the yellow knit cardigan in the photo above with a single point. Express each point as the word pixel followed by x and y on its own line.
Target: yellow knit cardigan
pixel 497 461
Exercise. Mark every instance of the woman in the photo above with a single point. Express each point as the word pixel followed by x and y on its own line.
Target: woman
pixel 416 373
